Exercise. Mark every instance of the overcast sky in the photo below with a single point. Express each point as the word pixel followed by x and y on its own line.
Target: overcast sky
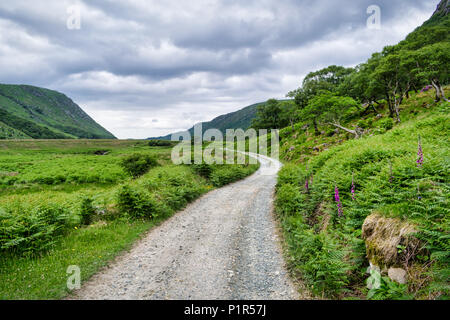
pixel 147 68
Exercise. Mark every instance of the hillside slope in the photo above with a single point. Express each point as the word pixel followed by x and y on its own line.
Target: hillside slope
pixel 33 112
pixel 326 245
pixel 368 217
pixel 234 120
pixel 240 119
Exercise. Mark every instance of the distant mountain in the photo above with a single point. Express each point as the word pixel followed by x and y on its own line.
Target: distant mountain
pixel 38 113
pixel 240 119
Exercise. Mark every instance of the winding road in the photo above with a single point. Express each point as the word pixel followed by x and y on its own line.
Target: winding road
pixel 222 246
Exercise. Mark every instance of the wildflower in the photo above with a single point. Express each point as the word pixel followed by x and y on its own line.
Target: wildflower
pixel 307 185
pixel 420 155
pixel 426 88
pixel 391 177
pixel 338 201
pixel 353 188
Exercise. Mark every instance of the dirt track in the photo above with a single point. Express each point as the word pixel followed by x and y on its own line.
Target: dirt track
pixel 222 246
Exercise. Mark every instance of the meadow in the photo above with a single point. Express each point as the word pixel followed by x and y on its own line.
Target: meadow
pixel 82 202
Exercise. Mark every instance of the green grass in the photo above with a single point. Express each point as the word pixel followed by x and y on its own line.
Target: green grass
pixel 90 248
pixel 43 209
pixel 327 251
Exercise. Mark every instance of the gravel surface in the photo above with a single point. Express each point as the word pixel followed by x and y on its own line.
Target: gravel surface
pixel 222 246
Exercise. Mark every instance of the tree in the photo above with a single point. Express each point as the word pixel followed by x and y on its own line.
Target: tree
pixel 433 63
pixel 268 116
pixel 326 79
pixel 331 109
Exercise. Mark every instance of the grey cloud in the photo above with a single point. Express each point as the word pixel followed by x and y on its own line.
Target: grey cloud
pixel 213 56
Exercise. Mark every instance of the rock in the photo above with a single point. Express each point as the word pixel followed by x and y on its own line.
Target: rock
pixel 397 275
pixel 383 236
pixel 379 116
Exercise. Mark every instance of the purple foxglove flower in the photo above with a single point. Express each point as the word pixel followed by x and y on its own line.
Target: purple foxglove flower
pixel 419 155
pixel 353 189
pixel 338 201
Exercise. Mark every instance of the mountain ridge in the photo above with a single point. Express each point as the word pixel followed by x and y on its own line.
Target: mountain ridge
pixel 33 112
pixel 240 119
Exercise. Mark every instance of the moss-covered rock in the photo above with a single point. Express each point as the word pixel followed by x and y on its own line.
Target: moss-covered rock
pixel 384 237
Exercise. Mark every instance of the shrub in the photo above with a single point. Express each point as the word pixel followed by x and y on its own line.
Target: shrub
pixel 135 203
pixel 287 201
pixel 138 164
pixel 27 232
pixel 203 169
pixel 389 290
pixel 321 262
pixel 87 211
pixel 386 123
pixel 363 124
pixel 160 143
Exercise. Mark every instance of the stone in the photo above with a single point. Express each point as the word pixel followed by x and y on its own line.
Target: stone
pixel 383 235
pixel 397 275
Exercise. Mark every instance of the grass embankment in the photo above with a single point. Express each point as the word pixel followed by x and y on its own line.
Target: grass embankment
pixel 326 250
pixel 70 202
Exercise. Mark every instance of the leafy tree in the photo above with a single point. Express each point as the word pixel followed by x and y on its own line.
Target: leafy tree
pixel 270 116
pixel 327 79
pixel 433 63
pixel 331 109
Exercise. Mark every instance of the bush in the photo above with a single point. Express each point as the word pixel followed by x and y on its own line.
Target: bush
pixel 203 170
pixel 136 204
pixel 389 290
pixel 138 164
pixel 87 211
pixel 386 123
pixel 321 262
pixel 287 201
pixel 160 143
pixel 363 124
pixel 28 232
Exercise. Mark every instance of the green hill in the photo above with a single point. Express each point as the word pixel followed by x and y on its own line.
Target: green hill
pixel 38 113
pixel 240 119
pixel 380 196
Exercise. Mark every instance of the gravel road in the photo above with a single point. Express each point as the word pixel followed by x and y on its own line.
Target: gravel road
pixel 222 246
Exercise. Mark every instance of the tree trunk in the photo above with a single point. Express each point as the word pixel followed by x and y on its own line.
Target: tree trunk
pixel 316 130
pixel 358 132
pixel 437 89
pixel 389 102
pixel 441 90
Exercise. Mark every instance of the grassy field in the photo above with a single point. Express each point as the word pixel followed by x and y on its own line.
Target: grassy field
pixel 326 249
pixel 70 202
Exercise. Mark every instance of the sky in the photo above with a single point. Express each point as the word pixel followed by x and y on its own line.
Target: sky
pixel 145 68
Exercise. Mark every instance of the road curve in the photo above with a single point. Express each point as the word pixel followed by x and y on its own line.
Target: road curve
pixel 222 246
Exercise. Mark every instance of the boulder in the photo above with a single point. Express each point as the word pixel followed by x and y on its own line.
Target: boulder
pixel 383 236
pixel 397 274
